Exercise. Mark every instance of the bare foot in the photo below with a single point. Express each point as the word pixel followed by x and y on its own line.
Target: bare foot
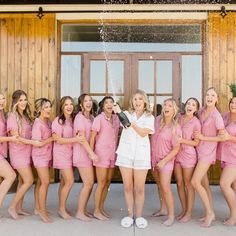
pixel 64 215
pixel 36 211
pixel 180 216
pixel 105 214
pixel 230 222
pixel 202 218
pixel 208 221
pixel 186 218
pixel 169 221
pixel 82 217
pixel 23 212
pixel 45 217
pixel 100 216
pixel 159 213
pixel 88 214
pixel 13 213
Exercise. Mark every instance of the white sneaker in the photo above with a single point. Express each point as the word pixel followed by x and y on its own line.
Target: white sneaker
pixel 141 223
pixel 127 221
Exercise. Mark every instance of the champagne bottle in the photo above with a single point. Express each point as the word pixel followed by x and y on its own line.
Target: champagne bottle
pixel 121 115
pixel 123 119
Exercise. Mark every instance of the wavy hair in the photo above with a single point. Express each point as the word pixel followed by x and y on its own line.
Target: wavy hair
pixel 61 116
pixel 102 103
pixel 38 106
pixel 147 107
pixel 81 102
pixel 197 105
pixel 14 108
pixel 174 120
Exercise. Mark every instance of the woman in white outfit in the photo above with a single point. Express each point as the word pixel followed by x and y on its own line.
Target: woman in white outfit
pixel 133 157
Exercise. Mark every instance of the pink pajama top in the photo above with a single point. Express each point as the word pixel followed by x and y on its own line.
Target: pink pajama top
pixel 42 156
pixel 228 148
pixel 107 137
pixel 62 153
pixel 206 151
pixel 20 154
pixel 188 153
pixel 80 155
pixel 163 141
pixel 3 133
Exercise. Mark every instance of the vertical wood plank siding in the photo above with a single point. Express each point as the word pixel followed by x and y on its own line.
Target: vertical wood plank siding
pixel 221 66
pixel 27 55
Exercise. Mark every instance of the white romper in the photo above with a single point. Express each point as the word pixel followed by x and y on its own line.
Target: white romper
pixel 133 150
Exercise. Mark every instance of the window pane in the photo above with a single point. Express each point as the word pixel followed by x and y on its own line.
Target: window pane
pixel 164 77
pixel 132 38
pixel 146 76
pixel 97 77
pixel 70 76
pixel 115 77
pixel 192 77
pixel 161 99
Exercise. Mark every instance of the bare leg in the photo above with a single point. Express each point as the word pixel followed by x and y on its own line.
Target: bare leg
pixel 188 173
pixel 198 175
pixel 163 210
pixel 165 178
pixel 87 176
pixel 64 190
pixel 228 176
pixel 43 174
pixel 27 181
pixel 105 191
pixel 101 174
pixel 178 172
pixel 36 197
pixel 128 182
pixel 9 176
pixel 139 190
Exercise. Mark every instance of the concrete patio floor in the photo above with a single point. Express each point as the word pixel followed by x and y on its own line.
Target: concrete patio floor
pixel 115 205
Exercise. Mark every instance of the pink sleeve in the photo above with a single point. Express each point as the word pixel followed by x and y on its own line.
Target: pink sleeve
pixel 12 123
pixel 96 126
pixel 219 122
pixel 36 131
pixel 57 128
pixel 78 124
pixel 178 135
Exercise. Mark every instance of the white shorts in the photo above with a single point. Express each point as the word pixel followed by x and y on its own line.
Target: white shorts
pixel 133 164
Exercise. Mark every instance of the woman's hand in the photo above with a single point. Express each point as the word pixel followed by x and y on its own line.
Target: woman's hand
pixel 161 164
pixel 116 108
pixel 94 157
pixel 80 138
pixel 198 135
pixel 224 136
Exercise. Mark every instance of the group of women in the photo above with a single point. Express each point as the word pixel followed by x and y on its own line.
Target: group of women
pixel 185 144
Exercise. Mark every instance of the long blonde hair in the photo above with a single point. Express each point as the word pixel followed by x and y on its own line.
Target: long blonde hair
pixel 174 120
pixel 147 107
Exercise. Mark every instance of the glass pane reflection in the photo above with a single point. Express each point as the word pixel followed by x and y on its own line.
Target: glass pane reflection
pixel 146 76
pixel 70 76
pixel 164 77
pixel 97 76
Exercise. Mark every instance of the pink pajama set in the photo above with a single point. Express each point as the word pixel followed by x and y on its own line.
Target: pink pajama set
pixel 80 155
pixel 20 154
pixel 106 140
pixel 42 156
pixel 3 133
pixel 206 150
pixel 187 155
pixel 162 143
pixel 228 149
pixel 62 153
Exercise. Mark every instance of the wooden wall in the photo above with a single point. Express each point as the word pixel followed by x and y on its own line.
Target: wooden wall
pixel 28 55
pixel 221 66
